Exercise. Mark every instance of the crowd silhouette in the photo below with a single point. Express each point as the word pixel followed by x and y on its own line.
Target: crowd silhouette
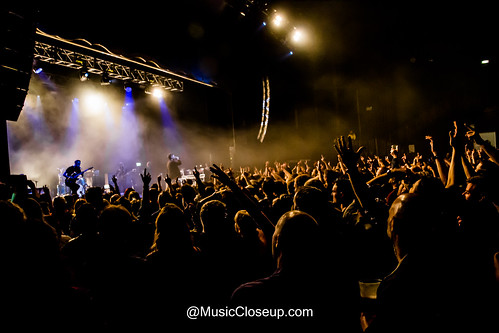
pixel 286 235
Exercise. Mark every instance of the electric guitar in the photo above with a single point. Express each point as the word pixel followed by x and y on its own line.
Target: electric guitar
pixel 72 179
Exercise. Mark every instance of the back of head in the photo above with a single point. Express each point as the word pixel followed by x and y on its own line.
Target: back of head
pixel 32 209
pixel 268 186
pixel 172 231
pixel 315 182
pixel 163 198
pixel 85 220
pixel 300 180
pixel 312 201
pixel 245 225
pixel 415 224
pixel 114 224
pixel 212 216
pixel 188 193
pixel 59 204
pixel 94 196
pixel 296 241
pixel 428 186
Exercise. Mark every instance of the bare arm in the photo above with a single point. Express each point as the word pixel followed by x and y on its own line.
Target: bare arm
pixel 349 158
pixel 439 162
pixel 485 145
pixel 249 204
pixel 456 174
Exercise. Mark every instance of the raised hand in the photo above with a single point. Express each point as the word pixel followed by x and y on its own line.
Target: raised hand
pixel 457 137
pixel 146 177
pixel 168 180
pixel 220 174
pixel 348 156
pixel 473 135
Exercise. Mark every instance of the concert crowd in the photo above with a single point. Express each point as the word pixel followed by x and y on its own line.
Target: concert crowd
pixel 422 228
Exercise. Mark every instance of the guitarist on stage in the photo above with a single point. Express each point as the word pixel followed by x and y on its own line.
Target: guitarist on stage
pixel 71 175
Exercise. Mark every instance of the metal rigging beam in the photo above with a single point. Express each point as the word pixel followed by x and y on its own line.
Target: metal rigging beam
pixel 62 52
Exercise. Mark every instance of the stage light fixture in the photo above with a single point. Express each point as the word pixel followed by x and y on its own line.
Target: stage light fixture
pixel 127 85
pixel 84 74
pixel 154 90
pixel 158 92
pixel 105 80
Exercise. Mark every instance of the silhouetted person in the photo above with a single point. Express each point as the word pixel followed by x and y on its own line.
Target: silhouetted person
pixel 426 289
pixel 217 243
pixel 175 279
pixel 301 279
pixel 173 166
pixel 71 175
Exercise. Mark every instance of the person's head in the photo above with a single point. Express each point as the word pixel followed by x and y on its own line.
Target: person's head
pixel 296 241
pixel 212 216
pixel 428 186
pixel 312 201
pixel 85 221
pixel 60 205
pixel 475 188
pixel 315 182
pixel 94 196
pixel 268 186
pixel 172 231
pixel 342 192
pixel 244 224
pixel 77 163
pixel 163 198
pixel 114 225
pixel 299 181
pixel 414 226
pixel 188 193
pixel 32 209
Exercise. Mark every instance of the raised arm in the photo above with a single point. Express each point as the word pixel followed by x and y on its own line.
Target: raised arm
pixel 439 161
pixel 146 180
pixel 456 174
pixel 201 186
pixel 248 203
pixel 116 189
pixel 349 157
pixel 485 145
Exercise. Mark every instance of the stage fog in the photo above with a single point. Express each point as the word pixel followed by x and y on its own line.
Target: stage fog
pixel 107 126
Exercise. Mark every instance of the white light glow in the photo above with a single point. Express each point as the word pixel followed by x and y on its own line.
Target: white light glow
pixel 158 92
pixel 297 36
pixel 278 20
pixel 93 103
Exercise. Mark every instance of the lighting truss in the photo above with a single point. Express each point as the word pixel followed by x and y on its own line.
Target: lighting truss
pixel 62 52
